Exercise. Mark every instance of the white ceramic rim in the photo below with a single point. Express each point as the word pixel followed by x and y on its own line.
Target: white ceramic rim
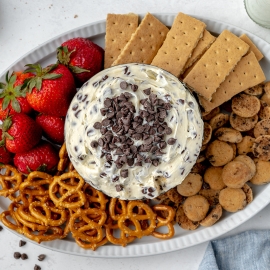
pixel 147 246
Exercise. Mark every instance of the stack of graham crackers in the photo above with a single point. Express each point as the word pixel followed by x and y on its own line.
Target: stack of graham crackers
pixel 215 68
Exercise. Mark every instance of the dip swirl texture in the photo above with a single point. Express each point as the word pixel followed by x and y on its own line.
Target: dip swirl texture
pixel 146 181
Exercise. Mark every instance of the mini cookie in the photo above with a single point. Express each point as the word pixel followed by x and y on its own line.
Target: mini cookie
pixel 267 87
pixel 243 123
pixel 162 197
pixel 196 207
pixel 174 196
pixel 266 98
pixel 233 145
pixel 212 217
pixel 191 185
pixel 183 220
pixel 219 153
pixel 232 199
pixel 235 174
pixel 212 176
pixel 264 112
pixel 245 105
pixel 203 147
pixel 206 116
pixel 262 128
pixel 201 158
pixel 249 162
pixel 262 175
pixel 249 194
pixel 219 120
pixel 228 135
pixel 261 147
pixel 198 168
pixel 256 90
pixel 211 195
pixel 207 133
pixel 245 146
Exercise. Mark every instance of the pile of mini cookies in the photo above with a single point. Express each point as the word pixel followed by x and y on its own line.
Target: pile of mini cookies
pixel 225 74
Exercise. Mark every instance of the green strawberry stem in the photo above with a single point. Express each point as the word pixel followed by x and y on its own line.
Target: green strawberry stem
pixel 63 56
pixel 41 74
pixel 10 93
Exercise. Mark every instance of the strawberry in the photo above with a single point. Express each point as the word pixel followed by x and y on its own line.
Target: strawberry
pixel 53 127
pixel 51 90
pixel 83 57
pixel 43 157
pixel 5 155
pixel 20 133
pixel 13 98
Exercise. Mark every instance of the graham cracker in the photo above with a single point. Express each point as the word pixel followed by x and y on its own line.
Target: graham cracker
pixel 203 44
pixel 179 44
pixel 216 64
pixel 252 46
pixel 144 43
pixel 119 28
pixel 246 74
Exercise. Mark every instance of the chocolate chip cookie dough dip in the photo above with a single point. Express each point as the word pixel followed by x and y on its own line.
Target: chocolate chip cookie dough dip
pixel 133 131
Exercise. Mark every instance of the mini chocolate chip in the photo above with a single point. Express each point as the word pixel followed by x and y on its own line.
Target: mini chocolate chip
pixel 142 101
pixel 171 141
pixel 151 189
pixel 154 149
pixel 134 87
pixel 110 115
pixel 167 106
pixel 122 97
pixel 149 140
pixel 159 152
pixel 17 255
pixel 144 190
pixel 133 149
pixel 124 173
pixel 155 162
pixel 152 131
pixel 37 267
pixel 130 161
pixel 102 175
pixel 147 91
pixel 127 151
pixel 107 102
pixel 160 129
pixel 128 95
pixel 139 129
pixel 108 157
pixel 100 142
pixel 146 105
pixel 150 194
pixel 24 256
pixel 103 130
pixel 119 188
pixel 129 141
pixel 137 136
pixel 118 151
pixel 138 163
pixel 115 178
pixel 168 130
pixel 124 85
pixel 22 243
pixel 152 97
pixel 41 257
pixel 106 122
pixel 148 160
pixel 162 114
pixel 94 144
pixel 139 157
pixel 162 145
pixel 97 125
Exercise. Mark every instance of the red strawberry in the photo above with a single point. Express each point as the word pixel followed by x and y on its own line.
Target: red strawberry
pixel 20 133
pixel 5 155
pixel 12 98
pixel 51 90
pixel 43 157
pixel 82 56
pixel 52 126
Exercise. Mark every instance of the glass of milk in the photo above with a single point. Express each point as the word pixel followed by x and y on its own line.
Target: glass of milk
pixel 259 11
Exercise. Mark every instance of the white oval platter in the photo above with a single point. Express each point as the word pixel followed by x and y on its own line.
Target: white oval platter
pixel 46 54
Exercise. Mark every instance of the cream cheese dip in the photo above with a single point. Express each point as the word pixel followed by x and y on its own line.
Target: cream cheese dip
pixel 133 131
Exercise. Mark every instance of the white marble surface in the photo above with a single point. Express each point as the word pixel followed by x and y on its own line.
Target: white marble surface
pixel 27 24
